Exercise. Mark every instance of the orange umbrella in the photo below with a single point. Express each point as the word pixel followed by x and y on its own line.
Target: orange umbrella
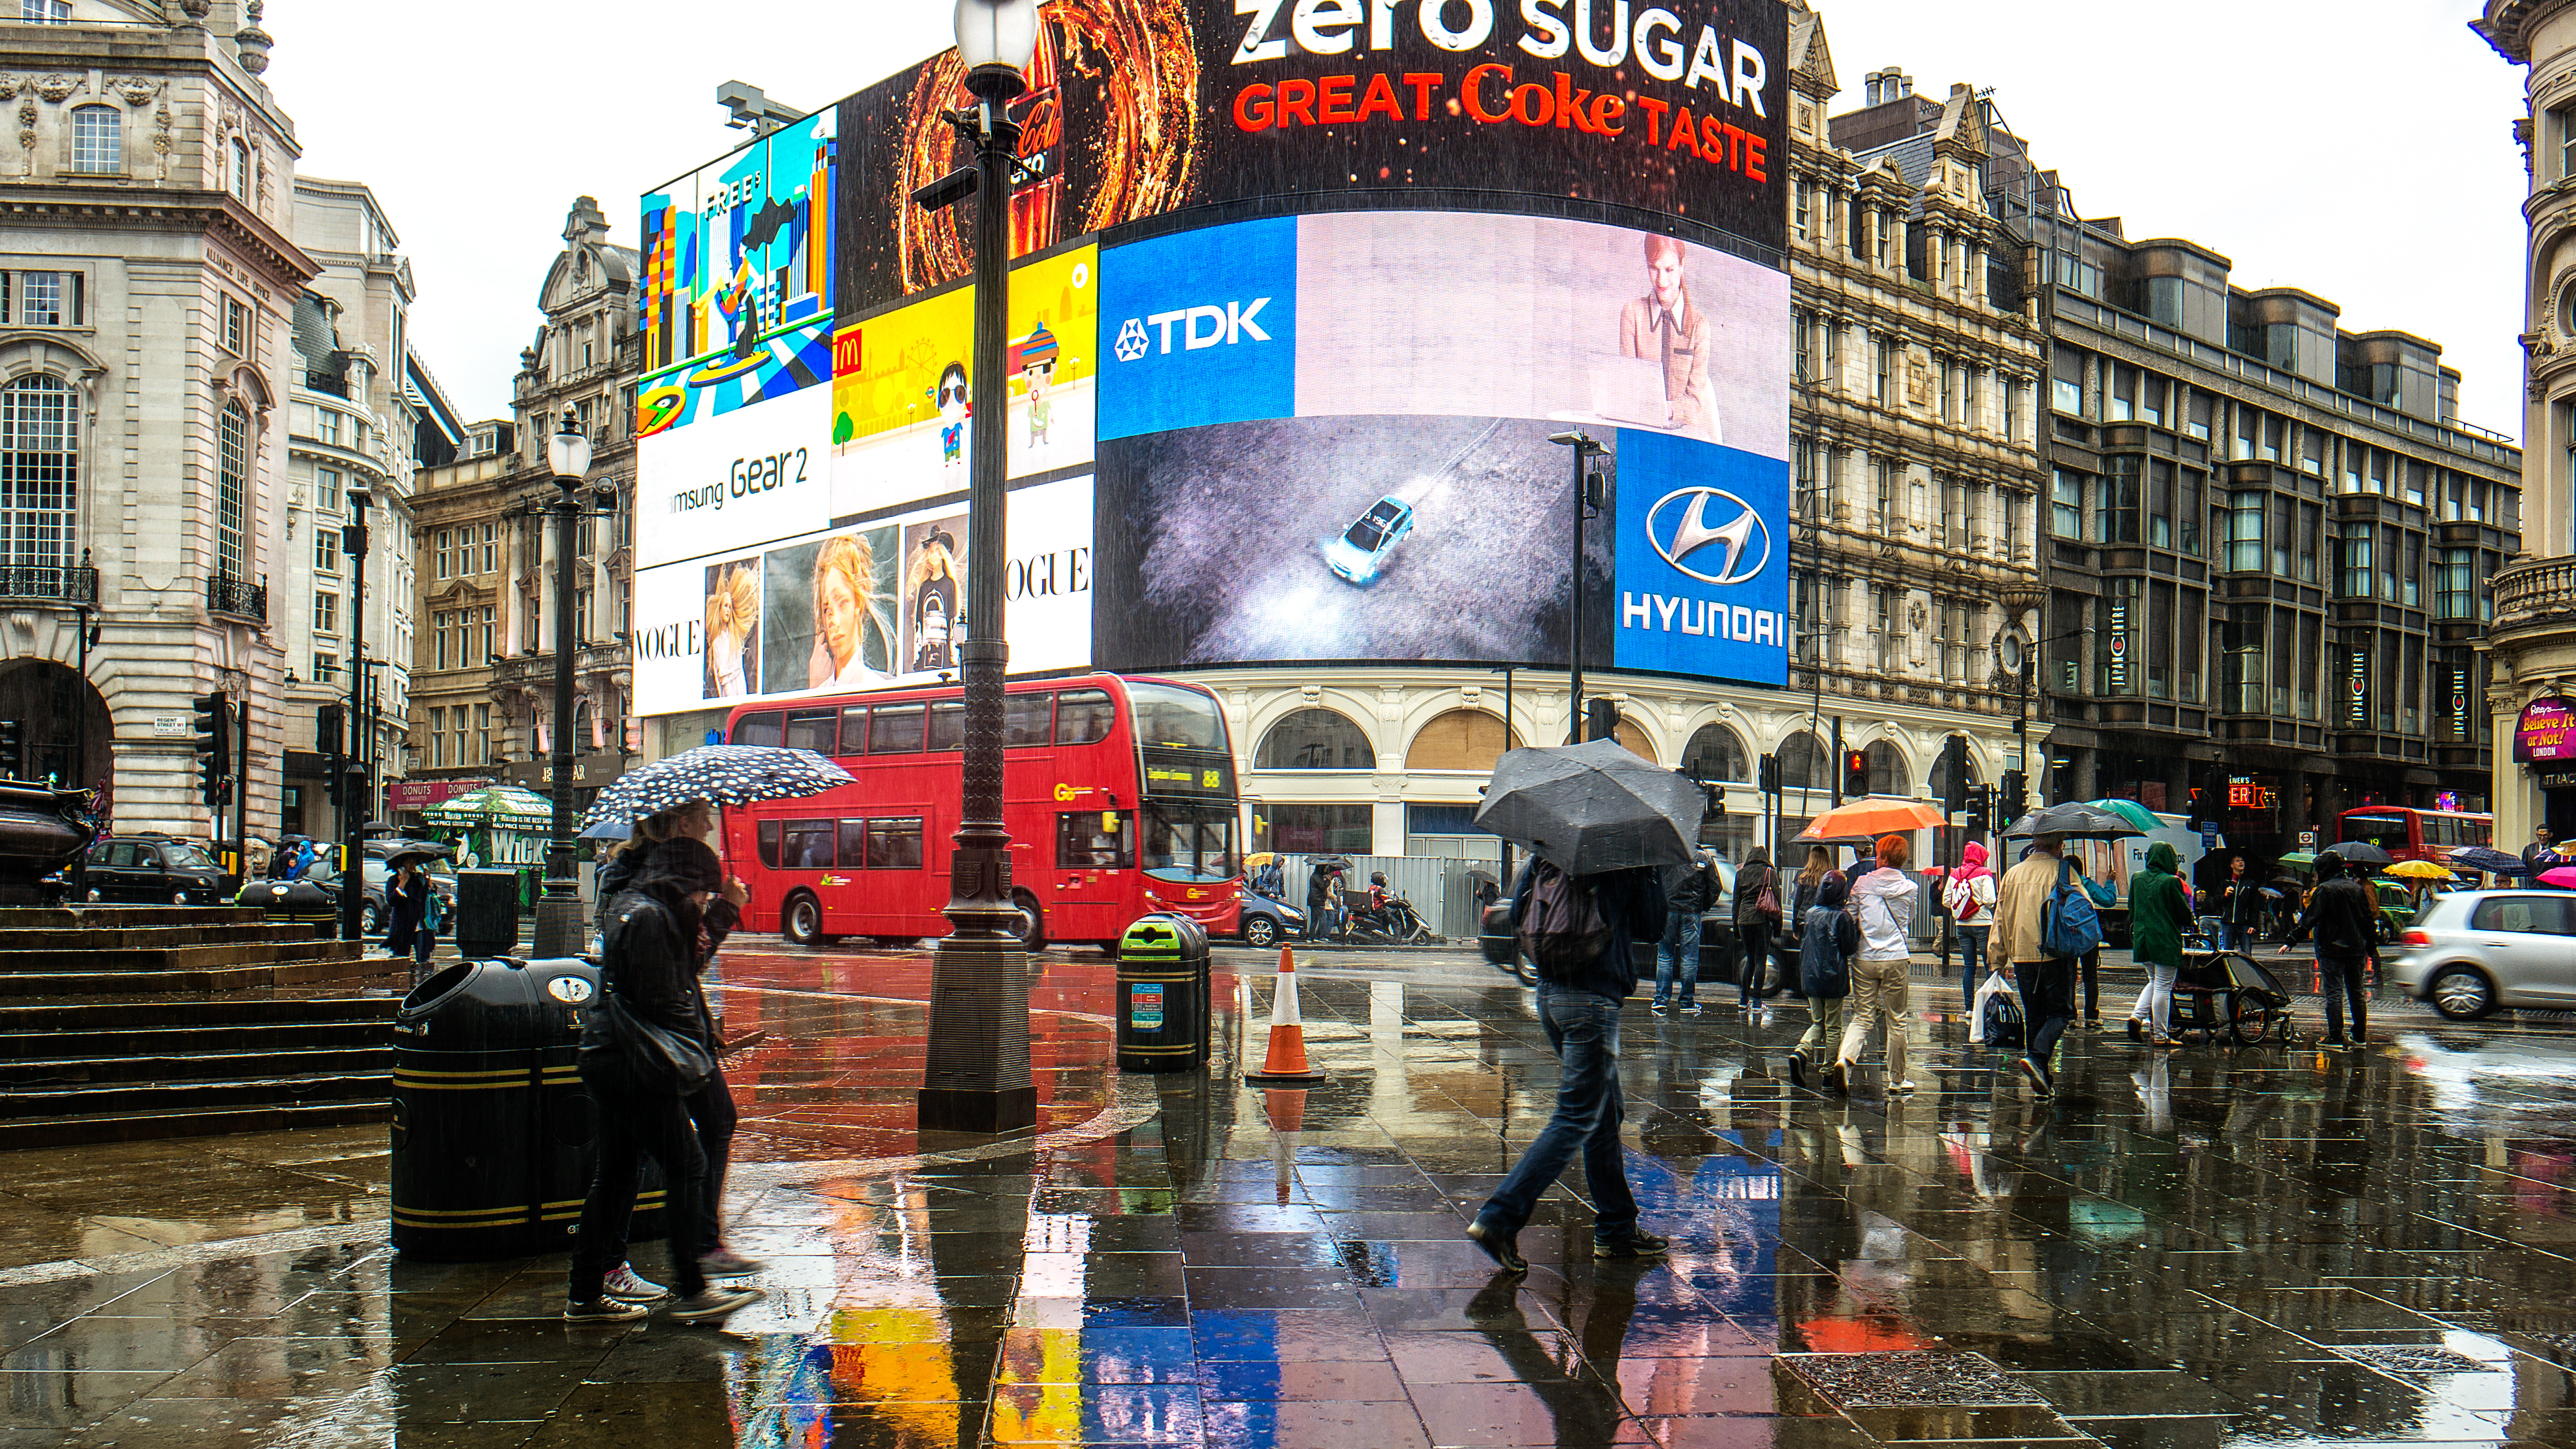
pixel 1872 817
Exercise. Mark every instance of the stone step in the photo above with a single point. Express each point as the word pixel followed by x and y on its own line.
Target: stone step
pixel 211 1061
pixel 153 938
pixel 173 1041
pixel 62 1103
pixel 337 971
pixel 180 1014
pixel 179 958
pixel 63 918
pixel 138 1126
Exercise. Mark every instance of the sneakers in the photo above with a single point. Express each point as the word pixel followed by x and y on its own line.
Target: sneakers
pixel 1690 1008
pixel 711 1303
pixel 2335 1042
pixel 1630 1244
pixel 1658 1008
pixel 1503 1247
pixel 724 1262
pixel 1798 1070
pixel 1838 1080
pixel 2137 1029
pixel 2159 1039
pixel 624 1286
pixel 2040 1082
pixel 604 1310
pixel 1901 1089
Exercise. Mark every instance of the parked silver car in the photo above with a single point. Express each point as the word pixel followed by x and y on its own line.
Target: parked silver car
pixel 2473 951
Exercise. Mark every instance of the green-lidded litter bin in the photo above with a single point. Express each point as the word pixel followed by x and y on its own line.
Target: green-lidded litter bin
pixel 1162 995
pixel 487 912
pixel 492 1134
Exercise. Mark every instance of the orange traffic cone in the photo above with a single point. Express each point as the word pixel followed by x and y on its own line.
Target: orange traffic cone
pixel 1286 1064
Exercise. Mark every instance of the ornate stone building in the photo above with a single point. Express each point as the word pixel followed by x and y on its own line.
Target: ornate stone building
pixel 146 367
pixel 483 667
pixel 2532 643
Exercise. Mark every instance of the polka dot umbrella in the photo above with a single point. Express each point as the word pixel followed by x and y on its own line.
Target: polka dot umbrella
pixel 718 774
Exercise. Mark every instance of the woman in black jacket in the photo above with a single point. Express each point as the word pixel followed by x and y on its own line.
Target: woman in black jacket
pixel 655 948
pixel 407 913
pixel 1753 925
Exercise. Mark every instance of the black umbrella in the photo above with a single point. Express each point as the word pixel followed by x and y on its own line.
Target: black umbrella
pixel 1593 807
pixel 2075 822
pixel 2360 852
pixel 2493 862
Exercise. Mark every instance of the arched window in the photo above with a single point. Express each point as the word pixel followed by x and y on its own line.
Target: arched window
pixel 1714 753
pixel 98 141
pixel 1887 770
pixel 1462 739
pixel 241 170
pixel 1802 763
pixel 1941 777
pixel 39 472
pixel 1632 736
pixel 232 489
pixel 1315 739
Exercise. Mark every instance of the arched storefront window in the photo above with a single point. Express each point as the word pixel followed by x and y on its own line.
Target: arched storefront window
pixel 39 472
pixel 1632 735
pixel 1462 739
pixel 232 489
pixel 1315 739
pixel 1803 763
pixel 1887 775
pixel 1941 777
pixel 1714 753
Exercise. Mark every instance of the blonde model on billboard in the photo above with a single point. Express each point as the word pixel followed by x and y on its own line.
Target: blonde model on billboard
pixel 1663 326
pixel 931 589
pixel 843 609
pixel 733 611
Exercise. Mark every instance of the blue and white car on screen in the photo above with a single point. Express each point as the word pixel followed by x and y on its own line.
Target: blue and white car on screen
pixel 1360 553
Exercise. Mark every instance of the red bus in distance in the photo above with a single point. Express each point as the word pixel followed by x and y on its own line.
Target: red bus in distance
pixel 1118 793
pixel 2407 833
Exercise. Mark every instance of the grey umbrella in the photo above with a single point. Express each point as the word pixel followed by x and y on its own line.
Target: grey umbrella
pixel 2359 852
pixel 1593 807
pixel 2076 822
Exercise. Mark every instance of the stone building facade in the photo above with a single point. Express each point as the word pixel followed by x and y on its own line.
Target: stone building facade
pixel 483 665
pixel 146 378
pixel 2531 644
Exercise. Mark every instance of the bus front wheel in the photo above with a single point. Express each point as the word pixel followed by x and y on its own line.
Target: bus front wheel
pixel 1032 924
pixel 801 921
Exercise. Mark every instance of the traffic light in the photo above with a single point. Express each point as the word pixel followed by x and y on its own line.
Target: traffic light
pixel 1954 774
pixel 1770 775
pixel 2013 803
pixel 1601 719
pixel 330 736
pixel 214 746
pixel 1855 774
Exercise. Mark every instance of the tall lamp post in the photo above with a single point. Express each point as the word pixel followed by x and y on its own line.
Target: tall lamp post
pixel 559 923
pixel 355 783
pixel 1584 447
pixel 976 1077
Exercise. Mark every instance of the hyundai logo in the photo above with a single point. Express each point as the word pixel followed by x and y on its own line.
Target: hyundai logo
pixel 1746 539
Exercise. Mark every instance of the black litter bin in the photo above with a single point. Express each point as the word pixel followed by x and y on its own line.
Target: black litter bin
pixel 298 901
pixel 1162 995
pixel 487 912
pixel 492 1129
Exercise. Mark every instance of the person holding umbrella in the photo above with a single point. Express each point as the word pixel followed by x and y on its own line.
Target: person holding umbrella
pixel 2542 853
pixel 407 927
pixel 1882 904
pixel 2047 982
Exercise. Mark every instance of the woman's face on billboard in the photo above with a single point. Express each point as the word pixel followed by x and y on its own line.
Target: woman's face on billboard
pixel 840 606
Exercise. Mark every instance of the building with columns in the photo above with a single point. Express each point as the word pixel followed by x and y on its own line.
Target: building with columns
pixel 483 662
pixel 146 375
pixel 2531 645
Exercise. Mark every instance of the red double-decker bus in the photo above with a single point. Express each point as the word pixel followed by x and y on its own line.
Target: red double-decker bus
pixel 1119 795
pixel 2408 833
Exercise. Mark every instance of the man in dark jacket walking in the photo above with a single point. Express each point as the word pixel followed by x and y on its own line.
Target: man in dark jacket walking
pixel 1578 1007
pixel 2344 920
pixel 1688 890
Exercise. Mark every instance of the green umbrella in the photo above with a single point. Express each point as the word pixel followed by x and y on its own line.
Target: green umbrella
pixel 2131 811
pixel 2300 857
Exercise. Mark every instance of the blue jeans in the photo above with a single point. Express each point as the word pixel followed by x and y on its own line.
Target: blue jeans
pixel 1678 955
pixel 1972 958
pixel 1583 1028
pixel 2233 937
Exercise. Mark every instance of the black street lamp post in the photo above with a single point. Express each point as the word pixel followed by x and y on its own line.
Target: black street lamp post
pixel 559 921
pixel 1584 447
pixel 976 1077
pixel 355 782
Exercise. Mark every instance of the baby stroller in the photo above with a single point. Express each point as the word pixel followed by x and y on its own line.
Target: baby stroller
pixel 2225 993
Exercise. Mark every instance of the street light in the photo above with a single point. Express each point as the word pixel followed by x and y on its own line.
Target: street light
pixel 355 784
pixel 976 1075
pixel 559 924
pixel 1584 501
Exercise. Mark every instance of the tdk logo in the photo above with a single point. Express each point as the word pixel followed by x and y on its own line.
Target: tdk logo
pixel 1203 326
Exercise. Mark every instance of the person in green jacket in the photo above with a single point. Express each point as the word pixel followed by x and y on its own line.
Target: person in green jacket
pixel 2158 909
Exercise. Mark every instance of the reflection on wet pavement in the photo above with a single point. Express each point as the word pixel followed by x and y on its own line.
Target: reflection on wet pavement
pixel 2259 1247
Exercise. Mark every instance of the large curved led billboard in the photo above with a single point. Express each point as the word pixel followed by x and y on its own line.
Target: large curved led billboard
pixel 1299 297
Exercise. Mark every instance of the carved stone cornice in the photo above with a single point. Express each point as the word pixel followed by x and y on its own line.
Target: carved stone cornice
pixel 214 213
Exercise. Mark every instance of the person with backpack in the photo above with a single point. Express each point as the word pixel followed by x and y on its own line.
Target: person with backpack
pixel 1688 890
pixel 1969 895
pixel 1577 931
pixel 1825 955
pixel 1882 905
pixel 2041 885
pixel 2344 921
pixel 2159 912
pixel 1756 913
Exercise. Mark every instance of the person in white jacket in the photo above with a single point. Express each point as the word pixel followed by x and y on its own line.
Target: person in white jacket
pixel 1883 903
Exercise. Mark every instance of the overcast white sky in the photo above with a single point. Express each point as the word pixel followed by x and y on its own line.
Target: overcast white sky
pixel 2358 149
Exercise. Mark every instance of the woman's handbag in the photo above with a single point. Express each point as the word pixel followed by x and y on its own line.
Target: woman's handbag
pixel 660 1059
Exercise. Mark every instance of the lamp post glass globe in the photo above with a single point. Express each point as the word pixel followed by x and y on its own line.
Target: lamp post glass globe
pixel 996 39
pixel 568 452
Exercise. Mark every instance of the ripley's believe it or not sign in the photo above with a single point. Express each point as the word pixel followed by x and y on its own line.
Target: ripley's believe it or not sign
pixel 1300 290
pixel 2546 732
